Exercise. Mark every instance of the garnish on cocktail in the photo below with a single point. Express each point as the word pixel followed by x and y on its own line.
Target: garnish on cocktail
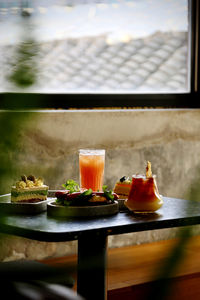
pixel 148 170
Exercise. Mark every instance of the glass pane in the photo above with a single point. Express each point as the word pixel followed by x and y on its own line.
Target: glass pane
pixel 138 46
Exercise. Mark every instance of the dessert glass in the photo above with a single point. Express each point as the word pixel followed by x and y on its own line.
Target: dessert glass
pixel 91 168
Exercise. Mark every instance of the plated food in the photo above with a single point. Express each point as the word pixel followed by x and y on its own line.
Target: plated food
pixel 87 197
pixel 82 203
pixel 29 190
pixel 144 196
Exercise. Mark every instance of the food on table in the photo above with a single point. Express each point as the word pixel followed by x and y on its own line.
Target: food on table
pixel 144 196
pixel 122 187
pixel 29 189
pixel 91 166
pixel 85 198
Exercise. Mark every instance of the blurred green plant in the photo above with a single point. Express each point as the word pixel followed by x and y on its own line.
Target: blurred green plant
pixel 25 280
pixel 163 287
pixel 24 63
pixel 25 68
pixel 10 124
pixel 24 75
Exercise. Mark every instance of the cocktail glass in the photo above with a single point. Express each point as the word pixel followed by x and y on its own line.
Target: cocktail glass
pixel 144 196
pixel 91 168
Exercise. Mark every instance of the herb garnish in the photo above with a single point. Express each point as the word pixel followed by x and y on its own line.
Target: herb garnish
pixel 72 186
pixel 86 194
pixel 107 194
pixel 60 201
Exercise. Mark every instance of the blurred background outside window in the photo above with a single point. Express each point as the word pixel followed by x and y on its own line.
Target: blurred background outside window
pixel 110 46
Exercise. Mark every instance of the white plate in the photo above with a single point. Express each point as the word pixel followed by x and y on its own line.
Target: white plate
pixel 8 207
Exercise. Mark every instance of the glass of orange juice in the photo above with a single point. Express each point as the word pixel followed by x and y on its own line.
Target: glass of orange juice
pixel 91 168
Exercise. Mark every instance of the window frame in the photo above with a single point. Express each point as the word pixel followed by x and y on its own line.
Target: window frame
pixel 123 100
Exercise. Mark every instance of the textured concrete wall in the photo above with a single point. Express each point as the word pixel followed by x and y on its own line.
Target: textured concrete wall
pixel 170 139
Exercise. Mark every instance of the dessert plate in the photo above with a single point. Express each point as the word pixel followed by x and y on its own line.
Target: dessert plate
pixel 56 210
pixel 8 207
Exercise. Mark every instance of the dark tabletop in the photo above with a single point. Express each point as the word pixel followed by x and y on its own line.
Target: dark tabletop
pixel 174 213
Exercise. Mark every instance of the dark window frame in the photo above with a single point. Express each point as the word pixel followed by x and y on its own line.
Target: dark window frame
pixel 124 100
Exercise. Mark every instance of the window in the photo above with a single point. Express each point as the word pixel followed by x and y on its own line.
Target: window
pixel 101 47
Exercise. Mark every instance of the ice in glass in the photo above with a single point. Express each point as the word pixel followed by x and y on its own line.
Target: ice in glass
pixel 91 167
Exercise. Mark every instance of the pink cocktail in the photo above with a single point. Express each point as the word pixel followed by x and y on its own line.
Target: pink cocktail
pixel 91 166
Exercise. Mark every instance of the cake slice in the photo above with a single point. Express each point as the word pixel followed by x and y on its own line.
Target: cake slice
pixel 122 187
pixel 29 189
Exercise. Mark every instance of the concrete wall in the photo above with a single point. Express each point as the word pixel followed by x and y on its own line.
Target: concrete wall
pixel 49 145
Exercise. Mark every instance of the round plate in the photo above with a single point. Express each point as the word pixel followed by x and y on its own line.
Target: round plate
pixel 56 210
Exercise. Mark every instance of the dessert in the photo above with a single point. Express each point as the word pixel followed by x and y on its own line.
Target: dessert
pixel 144 196
pixel 29 189
pixel 122 187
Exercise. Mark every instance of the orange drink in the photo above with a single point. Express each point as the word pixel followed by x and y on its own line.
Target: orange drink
pixel 144 196
pixel 91 167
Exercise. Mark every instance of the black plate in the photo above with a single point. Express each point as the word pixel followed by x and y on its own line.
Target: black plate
pixel 56 210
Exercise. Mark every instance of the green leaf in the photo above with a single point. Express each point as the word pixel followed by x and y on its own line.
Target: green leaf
pixel 59 201
pixel 81 199
pixel 85 194
pixel 108 194
pixel 71 185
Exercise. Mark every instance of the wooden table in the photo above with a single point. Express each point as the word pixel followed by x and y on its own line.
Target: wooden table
pixel 92 234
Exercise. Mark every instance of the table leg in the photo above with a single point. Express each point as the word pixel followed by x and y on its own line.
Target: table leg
pixel 92 256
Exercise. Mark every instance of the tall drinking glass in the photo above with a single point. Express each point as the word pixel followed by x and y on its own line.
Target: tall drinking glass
pixel 91 167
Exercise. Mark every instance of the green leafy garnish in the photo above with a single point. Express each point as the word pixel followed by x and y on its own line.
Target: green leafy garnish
pixel 107 194
pixel 72 186
pixel 59 201
pixel 86 194
pixel 81 199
